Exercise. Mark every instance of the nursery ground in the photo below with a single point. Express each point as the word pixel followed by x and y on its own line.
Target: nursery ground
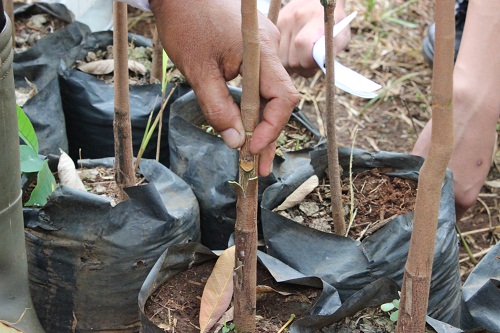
pixel 386 47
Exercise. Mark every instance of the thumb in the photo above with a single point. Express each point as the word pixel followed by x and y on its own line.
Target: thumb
pixel 221 111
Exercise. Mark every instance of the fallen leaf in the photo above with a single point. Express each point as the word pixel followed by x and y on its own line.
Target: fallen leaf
pixel 261 289
pixel 218 291
pixel 107 66
pixel 299 194
pixel 137 67
pixel 67 173
pixel 99 67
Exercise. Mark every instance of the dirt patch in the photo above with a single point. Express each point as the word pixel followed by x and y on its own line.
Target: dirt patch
pixel 175 306
pixel 376 200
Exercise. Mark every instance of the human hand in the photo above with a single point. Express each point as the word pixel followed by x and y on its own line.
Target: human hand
pixel 203 39
pixel 301 24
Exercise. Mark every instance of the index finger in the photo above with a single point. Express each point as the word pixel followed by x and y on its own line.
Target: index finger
pixel 277 88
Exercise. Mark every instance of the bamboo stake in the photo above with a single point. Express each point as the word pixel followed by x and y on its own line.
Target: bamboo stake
pixel 418 269
pixel 332 146
pixel 124 168
pixel 246 220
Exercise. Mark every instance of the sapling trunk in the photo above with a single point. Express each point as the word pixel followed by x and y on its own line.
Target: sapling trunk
pixel 245 280
pixel 156 65
pixel 418 269
pixel 274 10
pixel 332 146
pixel 9 9
pixel 124 168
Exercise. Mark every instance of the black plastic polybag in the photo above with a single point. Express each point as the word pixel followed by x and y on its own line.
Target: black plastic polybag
pixel 481 292
pixel 39 66
pixel 208 166
pixel 88 260
pixel 89 108
pixel 57 10
pixel 349 265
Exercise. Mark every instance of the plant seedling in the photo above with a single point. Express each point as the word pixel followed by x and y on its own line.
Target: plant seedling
pixel 228 328
pixel 31 163
pixel 392 308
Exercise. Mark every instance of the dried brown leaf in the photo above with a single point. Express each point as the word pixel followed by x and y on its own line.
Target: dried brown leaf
pixel 300 193
pixel 218 291
pixel 67 173
pixel 107 66
pixel 262 289
pixel 99 67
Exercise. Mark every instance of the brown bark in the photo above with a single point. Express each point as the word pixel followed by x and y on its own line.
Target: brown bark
pixel 332 147
pixel 124 168
pixel 246 219
pixel 418 269
pixel 157 58
pixel 274 10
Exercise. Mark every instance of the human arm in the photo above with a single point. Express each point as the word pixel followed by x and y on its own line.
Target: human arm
pixel 476 102
pixel 203 39
pixel 301 24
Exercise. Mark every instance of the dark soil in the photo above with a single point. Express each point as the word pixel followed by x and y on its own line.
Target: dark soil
pixel 31 28
pixel 377 199
pixel 175 306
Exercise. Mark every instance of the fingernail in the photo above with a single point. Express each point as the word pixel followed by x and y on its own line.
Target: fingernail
pixel 271 168
pixel 231 137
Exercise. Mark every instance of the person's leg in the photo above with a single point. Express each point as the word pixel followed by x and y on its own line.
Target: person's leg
pixel 428 42
pixel 476 99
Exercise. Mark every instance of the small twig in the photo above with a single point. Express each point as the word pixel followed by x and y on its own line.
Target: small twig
pixel 292 317
pixel 476 255
pixel 477 231
pixel 379 225
pixel 487 211
pixel 466 246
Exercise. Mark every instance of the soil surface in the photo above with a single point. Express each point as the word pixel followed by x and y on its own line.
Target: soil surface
pixel 376 200
pixel 175 306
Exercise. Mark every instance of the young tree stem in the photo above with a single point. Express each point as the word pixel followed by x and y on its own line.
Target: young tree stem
pixel 332 146
pixel 418 269
pixel 124 168
pixel 246 219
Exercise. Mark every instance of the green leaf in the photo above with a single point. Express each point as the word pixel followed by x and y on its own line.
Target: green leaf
pixel 26 130
pixel 46 184
pixel 394 316
pixel 404 23
pixel 30 161
pixel 396 303
pixel 387 307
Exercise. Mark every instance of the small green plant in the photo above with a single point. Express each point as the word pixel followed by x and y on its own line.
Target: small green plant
pixel 228 328
pixel 32 164
pixel 392 308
